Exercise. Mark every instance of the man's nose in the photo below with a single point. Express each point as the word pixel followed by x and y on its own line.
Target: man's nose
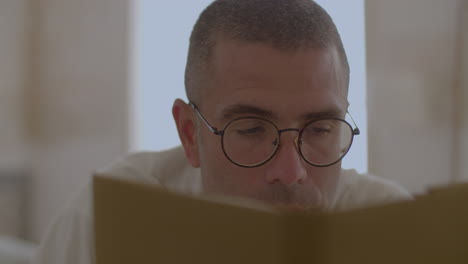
pixel 287 166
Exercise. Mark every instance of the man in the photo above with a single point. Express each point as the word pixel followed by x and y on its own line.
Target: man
pixel 267 83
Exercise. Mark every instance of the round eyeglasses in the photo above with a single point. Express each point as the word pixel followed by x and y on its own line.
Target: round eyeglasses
pixel 252 141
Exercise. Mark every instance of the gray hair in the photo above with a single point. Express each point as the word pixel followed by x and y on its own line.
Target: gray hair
pixel 286 25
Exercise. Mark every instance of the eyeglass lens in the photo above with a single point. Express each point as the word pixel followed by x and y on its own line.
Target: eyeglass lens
pixel 252 141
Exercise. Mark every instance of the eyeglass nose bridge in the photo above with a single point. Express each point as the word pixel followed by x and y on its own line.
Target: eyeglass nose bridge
pixel 280 131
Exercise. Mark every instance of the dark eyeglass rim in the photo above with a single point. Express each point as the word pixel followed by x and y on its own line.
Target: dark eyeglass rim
pixel 214 130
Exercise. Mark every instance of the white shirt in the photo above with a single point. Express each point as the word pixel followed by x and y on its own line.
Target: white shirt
pixel 70 239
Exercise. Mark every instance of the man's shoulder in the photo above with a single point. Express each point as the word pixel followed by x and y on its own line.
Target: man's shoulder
pixel 148 166
pixel 74 224
pixel 357 190
pixel 168 168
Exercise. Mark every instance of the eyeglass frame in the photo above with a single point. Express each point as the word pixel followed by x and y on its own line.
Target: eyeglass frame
pixel 354 132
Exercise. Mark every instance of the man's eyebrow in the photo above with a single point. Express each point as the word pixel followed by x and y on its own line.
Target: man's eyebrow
pixel 233 111
pixel 331 113
pixel 249 110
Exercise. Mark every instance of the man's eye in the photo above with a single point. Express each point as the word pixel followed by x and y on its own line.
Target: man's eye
pixel 251 131
pixel 320 131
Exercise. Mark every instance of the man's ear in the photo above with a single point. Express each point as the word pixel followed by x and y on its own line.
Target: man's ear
pixel 183 117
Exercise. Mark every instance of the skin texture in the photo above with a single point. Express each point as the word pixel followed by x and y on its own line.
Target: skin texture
pixel 291 87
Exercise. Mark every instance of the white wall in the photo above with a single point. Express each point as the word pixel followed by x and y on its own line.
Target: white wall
pixel 78 98
pixel 13 70
pixel 163 29
pixel 13 145
pixel 412 71
pixel 461 96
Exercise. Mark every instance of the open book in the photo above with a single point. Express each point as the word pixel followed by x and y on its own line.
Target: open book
pixel 136 223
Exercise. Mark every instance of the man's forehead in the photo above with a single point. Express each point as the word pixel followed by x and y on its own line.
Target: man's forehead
pixel 243 61
pixel 254 75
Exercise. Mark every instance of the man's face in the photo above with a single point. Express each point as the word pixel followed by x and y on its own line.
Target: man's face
pixel 287 88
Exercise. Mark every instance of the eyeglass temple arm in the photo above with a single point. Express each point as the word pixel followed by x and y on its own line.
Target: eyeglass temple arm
pixel 356 130
pixel 210 127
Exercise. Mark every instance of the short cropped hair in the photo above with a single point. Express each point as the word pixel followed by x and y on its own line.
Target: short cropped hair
pixel 286 25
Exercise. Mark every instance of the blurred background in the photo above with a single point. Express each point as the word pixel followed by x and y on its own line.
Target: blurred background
pixel 82 82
